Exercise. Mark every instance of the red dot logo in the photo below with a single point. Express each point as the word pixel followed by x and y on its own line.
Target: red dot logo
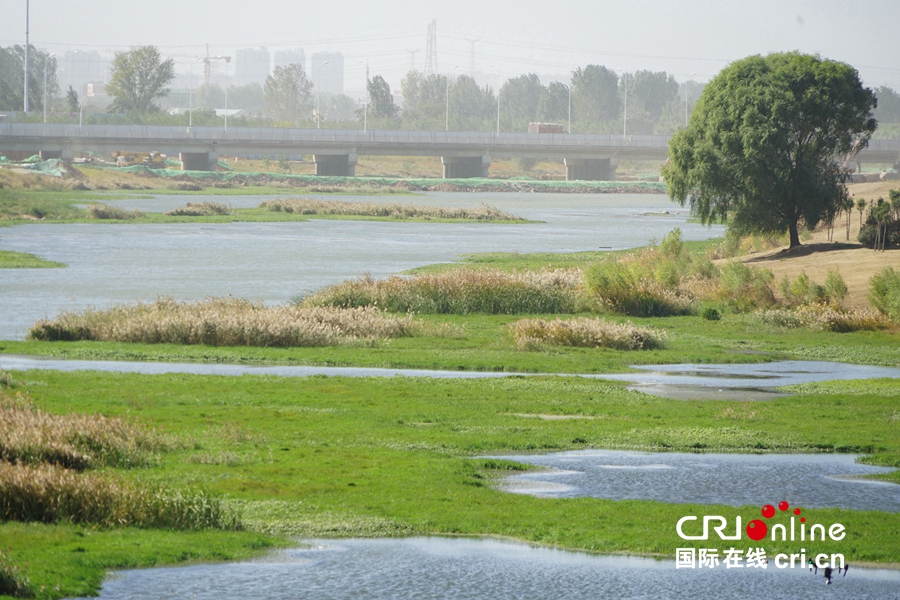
pixel 796 511
pixel 803 519
pixel 783 505
pixel 756 530
pixel 768 511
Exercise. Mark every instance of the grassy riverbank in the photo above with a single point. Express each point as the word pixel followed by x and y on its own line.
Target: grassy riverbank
pixel 25 260
pixel 356 457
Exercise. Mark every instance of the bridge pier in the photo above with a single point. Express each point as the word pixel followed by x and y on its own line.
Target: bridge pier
pixel 341 165
pixel 198 161
pixel 591 169
pixel 62 154
pixel 465 167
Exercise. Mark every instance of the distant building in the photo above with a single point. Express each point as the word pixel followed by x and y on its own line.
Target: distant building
pixel 284 58
pixel 251 65
pixel 327 72
pixel 78 68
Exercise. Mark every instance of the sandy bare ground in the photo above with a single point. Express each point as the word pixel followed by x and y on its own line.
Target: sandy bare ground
pixel 818 255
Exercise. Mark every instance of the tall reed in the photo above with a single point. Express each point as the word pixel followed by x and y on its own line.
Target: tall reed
pixel 533 334
pixel 104 211
pixel 200 209
pixel 227 322
pixel 52 494
pixel 461 291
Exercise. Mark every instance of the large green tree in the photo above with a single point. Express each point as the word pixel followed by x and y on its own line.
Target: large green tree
pixel 41 69
pixel 595 96
pixel 381 100
pixel 288 91
pixel 137 78
pixel 761 145
pixel 520 100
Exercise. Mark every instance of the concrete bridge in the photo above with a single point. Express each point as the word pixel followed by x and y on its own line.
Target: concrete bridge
pixel 335 151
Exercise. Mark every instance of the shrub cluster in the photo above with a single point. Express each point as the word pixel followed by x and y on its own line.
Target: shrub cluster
pixel 200 209
pixel 395 210
pixel 822 318
pixel 226 322
pixel 462 291
pixel 884 292
pixel 530 334
pixel 104 211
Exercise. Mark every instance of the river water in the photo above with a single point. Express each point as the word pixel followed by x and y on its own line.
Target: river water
pixel 460 568
pixel 114 263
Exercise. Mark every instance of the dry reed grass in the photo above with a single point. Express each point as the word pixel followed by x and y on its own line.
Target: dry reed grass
pixel 461 291
pixel 395 210
pixel 227 322
pixel 534 334
pixel 74 441
pixel 823 318
pixel 104 211
pixel 52 494
pixel 200 209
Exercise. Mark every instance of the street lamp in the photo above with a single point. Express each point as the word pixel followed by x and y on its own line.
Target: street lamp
pixel 318 91
pixel 625 88
pixel 570 106
pixel 498 97
pixel 227 60
pixel 685 101
pixel 27 7
pixel 46 60
pixel 447 117
pixel 191 95
pixel 366 102
pixel 82 88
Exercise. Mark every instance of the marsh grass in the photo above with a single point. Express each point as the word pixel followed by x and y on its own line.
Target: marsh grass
pixel 106 212
pixel 74 441
pixel 12 581
pixel 461 292
pixel 822 317
pixel 228 322
pixel 52 494
pixel 393 210
pixel 200 209
pixel 24 260
pixel 535 334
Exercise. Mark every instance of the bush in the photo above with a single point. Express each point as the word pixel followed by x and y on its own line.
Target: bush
pixel 104 211
pixel 710 313
pixel 461 292
pixel 821 318
pixel 530 334
pixel 884 292
pixel 743 288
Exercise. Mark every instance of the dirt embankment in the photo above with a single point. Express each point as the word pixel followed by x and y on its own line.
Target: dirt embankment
pixel 818 255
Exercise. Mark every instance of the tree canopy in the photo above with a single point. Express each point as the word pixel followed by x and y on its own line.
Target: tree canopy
pixel 381 98
pixel 137 78
pixel 762 141
pixel 287 93
pixel 12 78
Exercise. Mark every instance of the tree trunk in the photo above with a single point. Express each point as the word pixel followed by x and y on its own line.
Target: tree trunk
pixel 795 235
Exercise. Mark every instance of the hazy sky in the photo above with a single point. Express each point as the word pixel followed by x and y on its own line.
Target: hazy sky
pixel 548 38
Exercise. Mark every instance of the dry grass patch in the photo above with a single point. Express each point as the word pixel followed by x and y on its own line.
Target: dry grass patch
pixel 394 210
pixel 104 211
pixel 461 291
pixel 532 334
pixel 227 322
pixel 823 318
pixel 75 441
pixel 200 209
pixel 52 494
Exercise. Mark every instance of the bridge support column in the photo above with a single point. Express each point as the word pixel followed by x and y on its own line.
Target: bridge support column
pixel 198 161
pixel 341 165
pixel 62 154
pixel 465 167
pixel 591 169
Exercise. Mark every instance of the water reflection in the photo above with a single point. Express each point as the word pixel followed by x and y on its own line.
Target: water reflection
pixel 478 569
pixel 276 261
pixel 806 480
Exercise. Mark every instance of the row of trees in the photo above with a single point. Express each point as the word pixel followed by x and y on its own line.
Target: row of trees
pixel 12 78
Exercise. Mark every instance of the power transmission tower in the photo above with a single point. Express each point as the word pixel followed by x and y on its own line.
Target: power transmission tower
pixel 207 67
pixel 472 56
pixel 412 59
pixel 431 66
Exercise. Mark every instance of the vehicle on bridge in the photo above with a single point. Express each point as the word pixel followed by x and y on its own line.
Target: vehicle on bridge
pixel 546 128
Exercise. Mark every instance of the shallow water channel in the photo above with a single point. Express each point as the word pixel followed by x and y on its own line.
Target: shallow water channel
pixel 114 263
pixel 804 480
pixel 461 568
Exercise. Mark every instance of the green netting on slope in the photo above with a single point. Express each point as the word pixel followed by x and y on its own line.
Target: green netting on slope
pixel 52 166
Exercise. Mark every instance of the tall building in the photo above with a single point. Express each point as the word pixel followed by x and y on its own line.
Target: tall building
pixel 78 68
pixel 327 72
pixel 251 65
pixel 284 58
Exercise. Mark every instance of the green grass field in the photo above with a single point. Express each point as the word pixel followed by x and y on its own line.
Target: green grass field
pixel 25 260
